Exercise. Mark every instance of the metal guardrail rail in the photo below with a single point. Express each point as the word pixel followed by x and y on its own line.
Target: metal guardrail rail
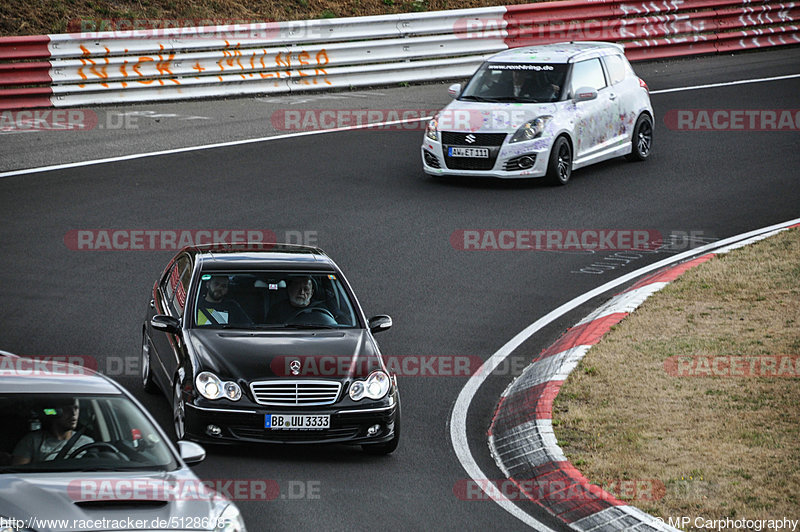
pixel 67 70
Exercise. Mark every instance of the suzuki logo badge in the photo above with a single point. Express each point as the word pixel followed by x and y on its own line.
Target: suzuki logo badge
pixel 294 365
pixel 470 138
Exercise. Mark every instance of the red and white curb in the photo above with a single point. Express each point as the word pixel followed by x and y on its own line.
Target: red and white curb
pixel 521 437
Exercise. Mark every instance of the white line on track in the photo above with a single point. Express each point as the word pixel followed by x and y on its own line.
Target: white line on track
pixel 319 132
pixel 458 419
pixel 726 84
pixel 208 147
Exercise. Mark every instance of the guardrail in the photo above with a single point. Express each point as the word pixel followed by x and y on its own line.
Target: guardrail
pixel 67 70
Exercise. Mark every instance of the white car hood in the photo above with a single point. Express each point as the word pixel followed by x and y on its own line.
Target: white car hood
pixel 57 497
pixel 487 117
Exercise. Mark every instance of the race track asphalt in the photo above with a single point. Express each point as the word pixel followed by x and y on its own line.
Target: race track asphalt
pixel 363 197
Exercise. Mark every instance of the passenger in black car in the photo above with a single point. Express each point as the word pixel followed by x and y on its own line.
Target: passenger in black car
pixel 216 308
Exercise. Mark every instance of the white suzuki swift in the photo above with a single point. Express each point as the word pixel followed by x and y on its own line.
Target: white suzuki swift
pixel 542 111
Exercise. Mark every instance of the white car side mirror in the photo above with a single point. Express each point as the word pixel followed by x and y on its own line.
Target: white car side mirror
pixel 454 90
pixel 584 94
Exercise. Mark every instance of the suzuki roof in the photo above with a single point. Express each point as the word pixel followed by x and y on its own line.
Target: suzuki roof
pixel 557 53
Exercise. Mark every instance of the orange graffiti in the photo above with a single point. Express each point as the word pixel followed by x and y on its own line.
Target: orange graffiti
pixel 284 62
pixel 124 72
pixel 102 74
pixel 302 58
pixel 137 66
pixel 296 63
pixel 263 66
pixel 86 52
pixel 164 66
pixel 322 54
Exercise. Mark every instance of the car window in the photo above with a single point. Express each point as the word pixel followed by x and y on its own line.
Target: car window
pixel 174 286
pixel 617 68
pixel 184 274
pixel 269 299
pixel 518 82
pixel 587 73
pixel 169 283
pixel 114 434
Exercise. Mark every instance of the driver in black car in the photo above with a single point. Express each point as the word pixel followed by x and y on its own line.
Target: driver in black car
pixel 299 289
pixel 58 428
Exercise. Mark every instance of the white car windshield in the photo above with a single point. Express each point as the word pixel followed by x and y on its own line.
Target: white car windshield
pixel 516 82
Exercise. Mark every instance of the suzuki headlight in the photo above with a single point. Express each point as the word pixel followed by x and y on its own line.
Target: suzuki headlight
pixel 431 131
pixel 531 129
pixel 230 520
pixel 211 387
pixel 375 387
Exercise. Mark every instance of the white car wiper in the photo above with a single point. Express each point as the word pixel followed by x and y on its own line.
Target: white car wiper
pixel 479 99
pixel 307 326
pixel 121 469
pixel 513 99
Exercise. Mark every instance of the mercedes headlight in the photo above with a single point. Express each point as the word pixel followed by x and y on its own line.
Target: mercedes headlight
pixel 232 391
pixel 376 386
pixel 211 387
pixel 430 131
pixel 531 129
pixel 230 520
pixel 357 390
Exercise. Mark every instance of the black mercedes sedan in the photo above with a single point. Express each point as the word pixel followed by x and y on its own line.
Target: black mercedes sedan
pixel 267 343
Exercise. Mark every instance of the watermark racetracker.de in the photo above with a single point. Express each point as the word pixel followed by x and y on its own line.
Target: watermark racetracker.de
pixel 334 366
pixel 188 28
pixel 553 30
pixel 561 491
pixel 414 119
pixel 733 119
pixel 235 489
pixel 734 366
pixel 609 249
pixel 176 239
pixel 554 239
pixel 37 120
pixel 328 366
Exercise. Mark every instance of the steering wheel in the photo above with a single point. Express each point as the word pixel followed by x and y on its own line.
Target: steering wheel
pixel 309 310
pixel 97 445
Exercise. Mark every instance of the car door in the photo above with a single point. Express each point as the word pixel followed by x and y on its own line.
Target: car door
pixel 170 300
pixel 624 85
pixel 593 120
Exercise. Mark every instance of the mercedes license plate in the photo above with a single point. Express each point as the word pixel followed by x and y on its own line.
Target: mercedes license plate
pixel 297 421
